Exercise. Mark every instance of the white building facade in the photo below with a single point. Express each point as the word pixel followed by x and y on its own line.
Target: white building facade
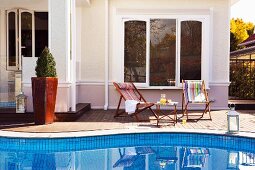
pixel 154 43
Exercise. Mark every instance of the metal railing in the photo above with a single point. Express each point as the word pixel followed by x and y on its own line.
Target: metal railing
pixel 242 77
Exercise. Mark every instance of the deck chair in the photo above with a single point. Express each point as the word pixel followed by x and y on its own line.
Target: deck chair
pixel 194 92
pixel 128 91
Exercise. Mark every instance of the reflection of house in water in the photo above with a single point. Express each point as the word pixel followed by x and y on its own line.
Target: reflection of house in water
pixel 193 158
pixel 131 158
pixel 247 159
pixel 39 161
pixel 242 70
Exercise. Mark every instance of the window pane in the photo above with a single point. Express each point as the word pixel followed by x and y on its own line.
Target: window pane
pixel 41 32
pixel 11 39
pixel 135 52
pixel 162 52
pixel 26 34
pixel 191 39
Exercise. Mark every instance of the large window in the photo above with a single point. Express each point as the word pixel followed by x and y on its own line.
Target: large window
pixel 164 51
pixel 191 46
pixel 135 51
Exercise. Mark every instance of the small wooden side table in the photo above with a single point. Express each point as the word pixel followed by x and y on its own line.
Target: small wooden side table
pixel 164 114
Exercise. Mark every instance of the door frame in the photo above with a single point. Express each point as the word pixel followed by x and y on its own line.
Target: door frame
pixel 18 22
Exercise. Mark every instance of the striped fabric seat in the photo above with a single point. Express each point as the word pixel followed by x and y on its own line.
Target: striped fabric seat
pixel 194 91
pixel 128 91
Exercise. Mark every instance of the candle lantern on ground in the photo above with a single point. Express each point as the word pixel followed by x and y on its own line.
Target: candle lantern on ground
pixel 21 103
pixel 233 120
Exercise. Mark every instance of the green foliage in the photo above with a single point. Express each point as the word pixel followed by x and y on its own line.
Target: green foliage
pixel 242 76
pixel 239 31
pixel 45 65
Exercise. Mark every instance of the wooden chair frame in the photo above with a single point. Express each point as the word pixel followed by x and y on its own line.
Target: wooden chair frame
pixel 141 106
pixel 186 102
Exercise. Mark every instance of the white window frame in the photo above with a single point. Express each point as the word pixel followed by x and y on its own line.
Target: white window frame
pixel 205 51
pixel 146 84
pixel 18 22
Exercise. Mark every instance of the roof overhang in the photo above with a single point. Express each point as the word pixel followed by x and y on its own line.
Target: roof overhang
pixel 244 51
pixel 83 2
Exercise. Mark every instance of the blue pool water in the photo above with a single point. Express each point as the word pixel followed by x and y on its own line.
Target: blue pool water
pixel 142 151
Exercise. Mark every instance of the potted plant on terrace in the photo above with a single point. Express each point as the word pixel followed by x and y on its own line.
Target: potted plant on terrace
pixel 44 88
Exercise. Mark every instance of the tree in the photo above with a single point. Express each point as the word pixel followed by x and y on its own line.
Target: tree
pixel 239 31
pixel 45 65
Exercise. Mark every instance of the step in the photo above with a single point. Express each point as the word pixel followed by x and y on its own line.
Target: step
pixel 70 116
pixel 243 104
pixel 10 115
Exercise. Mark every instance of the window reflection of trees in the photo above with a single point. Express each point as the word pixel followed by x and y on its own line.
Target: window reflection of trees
pixel 162 51
pixel 191 45
pixel 135 51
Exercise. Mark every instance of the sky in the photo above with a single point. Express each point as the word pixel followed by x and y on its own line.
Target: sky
pixel 244 9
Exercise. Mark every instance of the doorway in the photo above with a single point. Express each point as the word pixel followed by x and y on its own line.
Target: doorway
pixel 26 36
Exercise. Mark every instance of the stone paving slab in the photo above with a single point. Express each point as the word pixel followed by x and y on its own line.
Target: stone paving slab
pixel 104 120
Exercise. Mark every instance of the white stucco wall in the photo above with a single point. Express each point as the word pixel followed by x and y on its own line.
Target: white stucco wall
pixel 59 37
pixel 92 35
pixel 92 60
pixel 91 46
pixel 220 13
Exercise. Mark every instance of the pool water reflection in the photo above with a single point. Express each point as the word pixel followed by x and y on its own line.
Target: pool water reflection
pixel 131 158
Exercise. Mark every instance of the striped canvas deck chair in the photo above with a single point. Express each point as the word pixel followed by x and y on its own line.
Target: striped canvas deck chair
pixel 128 91
pixel 194 92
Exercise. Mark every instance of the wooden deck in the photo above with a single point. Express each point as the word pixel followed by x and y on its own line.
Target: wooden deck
pixel 104 120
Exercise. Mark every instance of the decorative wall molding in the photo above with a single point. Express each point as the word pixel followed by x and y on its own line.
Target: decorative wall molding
pixel 101 83
pixel 60 85
pixel 121 11
pixel 80 83
pixel 219 83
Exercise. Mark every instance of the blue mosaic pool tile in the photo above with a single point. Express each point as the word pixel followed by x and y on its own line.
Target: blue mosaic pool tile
pixel 126 140
pixel 7 104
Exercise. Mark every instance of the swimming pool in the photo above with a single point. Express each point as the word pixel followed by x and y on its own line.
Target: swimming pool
pixel 129 151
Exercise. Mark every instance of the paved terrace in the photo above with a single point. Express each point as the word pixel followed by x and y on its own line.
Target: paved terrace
pixel 104 120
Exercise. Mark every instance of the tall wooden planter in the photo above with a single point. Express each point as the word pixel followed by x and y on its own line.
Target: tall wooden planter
pixel 44 91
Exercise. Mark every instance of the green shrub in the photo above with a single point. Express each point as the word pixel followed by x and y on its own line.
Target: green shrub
pixel 46 65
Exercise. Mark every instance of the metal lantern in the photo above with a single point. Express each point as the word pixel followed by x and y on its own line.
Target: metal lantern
pixel 233 120
pixel 21 103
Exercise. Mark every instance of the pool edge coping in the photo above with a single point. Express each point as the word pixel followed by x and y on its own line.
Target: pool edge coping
pixel 15 134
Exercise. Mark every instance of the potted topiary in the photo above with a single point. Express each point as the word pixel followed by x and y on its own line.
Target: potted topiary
pixel 44 88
